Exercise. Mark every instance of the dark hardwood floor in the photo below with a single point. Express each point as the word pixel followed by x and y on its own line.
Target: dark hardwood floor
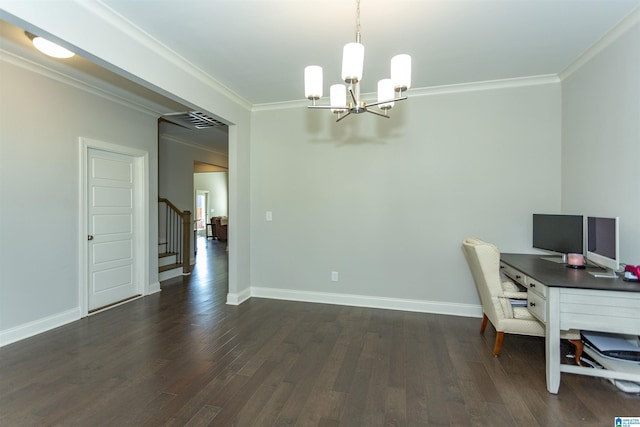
pixel 184 357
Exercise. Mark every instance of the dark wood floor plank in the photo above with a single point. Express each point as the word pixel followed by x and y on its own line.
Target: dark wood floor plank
pixel 233 406
pixel 185 357
pixel 395 410
pixel 204 416
pixel 270 412
pixel 305 372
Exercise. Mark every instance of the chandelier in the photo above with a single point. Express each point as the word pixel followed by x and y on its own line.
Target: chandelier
pixel 389 89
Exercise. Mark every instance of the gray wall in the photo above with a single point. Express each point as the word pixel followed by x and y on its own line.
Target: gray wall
pixel 177 165
pixel 387 203
pixel 217 184
pixel 41 118
pixel 601 139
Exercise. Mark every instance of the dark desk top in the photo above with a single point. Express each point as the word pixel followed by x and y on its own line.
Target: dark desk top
pixel 558 275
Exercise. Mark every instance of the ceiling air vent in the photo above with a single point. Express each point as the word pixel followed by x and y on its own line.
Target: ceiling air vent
pixel 193 120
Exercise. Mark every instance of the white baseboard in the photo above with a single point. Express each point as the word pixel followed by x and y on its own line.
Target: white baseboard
pixel 154 287
pixel 30 329
pixel 435 307
pixel 238 298
pixel 466 310
pixel 170 274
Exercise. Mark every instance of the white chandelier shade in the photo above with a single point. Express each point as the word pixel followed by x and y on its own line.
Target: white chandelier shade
pixel 401 72
pixel 385 93
pixel 338 95
pixel 352 62
pixel 313 82
pixel 390 90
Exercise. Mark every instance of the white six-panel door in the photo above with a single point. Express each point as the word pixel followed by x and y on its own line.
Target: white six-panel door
pixel 111 223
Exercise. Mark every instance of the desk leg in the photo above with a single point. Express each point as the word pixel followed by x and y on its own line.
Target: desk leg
pixel 552 340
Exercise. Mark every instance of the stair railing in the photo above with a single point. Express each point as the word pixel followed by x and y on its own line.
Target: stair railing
pixel 177 231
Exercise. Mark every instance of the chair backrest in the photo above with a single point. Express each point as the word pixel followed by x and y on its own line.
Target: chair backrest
pixel 484 262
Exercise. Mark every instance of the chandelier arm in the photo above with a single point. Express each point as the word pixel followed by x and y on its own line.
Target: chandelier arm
pixel 386 102
pixel 353 96
pixel 377 113
pixel 342 117
pixel 324 107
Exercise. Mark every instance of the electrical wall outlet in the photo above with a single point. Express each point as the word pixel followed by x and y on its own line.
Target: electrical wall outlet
pixel 334 276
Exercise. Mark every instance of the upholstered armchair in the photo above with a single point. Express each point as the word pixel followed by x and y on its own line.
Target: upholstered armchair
pixel 220 227
pixel 496 292
pixel 211 226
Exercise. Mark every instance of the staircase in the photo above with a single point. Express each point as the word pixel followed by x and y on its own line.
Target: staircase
pixel 168 265
pixel 174 235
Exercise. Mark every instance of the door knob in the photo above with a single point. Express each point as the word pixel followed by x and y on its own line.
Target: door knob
pixel 90 237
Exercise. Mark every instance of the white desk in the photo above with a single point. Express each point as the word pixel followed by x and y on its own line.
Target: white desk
pixel 573 299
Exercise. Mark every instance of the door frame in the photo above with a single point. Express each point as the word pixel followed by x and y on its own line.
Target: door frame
pixel 141 220
pixel 204 193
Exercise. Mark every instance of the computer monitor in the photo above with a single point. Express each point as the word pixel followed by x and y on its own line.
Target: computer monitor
pixel 602 245
pixel 563 234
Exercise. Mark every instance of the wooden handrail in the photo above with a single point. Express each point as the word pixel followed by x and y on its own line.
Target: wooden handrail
pixel 171 205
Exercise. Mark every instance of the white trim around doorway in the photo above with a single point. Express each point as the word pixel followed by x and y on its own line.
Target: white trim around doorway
pixel 141 252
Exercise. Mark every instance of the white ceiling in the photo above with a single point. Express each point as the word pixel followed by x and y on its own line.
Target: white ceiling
pixel 259 48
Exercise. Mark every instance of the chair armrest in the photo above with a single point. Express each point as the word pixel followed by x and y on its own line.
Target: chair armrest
pixel 516 295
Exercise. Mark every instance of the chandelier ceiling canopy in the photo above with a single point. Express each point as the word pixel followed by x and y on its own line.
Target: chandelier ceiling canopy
pixel 390 89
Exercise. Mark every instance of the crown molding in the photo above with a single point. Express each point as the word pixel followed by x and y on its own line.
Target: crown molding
pixel 625 25
pixel 545 79
pixel 125 26
pixel 435 90
pixel 284 105
pixel 35 67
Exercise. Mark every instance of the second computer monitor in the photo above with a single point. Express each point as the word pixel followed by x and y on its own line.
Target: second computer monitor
pixel 603 245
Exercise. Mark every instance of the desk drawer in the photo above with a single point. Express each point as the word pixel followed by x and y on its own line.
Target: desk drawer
pixel 537 287
pixel 513 274
pixel 537 306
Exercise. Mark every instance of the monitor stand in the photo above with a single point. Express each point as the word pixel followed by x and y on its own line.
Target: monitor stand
pixel 558 259
pixel 609 273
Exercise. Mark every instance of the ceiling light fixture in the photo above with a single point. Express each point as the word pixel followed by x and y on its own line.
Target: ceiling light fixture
pixel 389 90
pixel 49 48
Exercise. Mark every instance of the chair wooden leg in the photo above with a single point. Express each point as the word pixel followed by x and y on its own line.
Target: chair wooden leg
pixel 498 345
pixel 579 347
pixel 485 319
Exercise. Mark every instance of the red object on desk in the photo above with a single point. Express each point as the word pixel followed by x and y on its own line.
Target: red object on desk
pixel 633 269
